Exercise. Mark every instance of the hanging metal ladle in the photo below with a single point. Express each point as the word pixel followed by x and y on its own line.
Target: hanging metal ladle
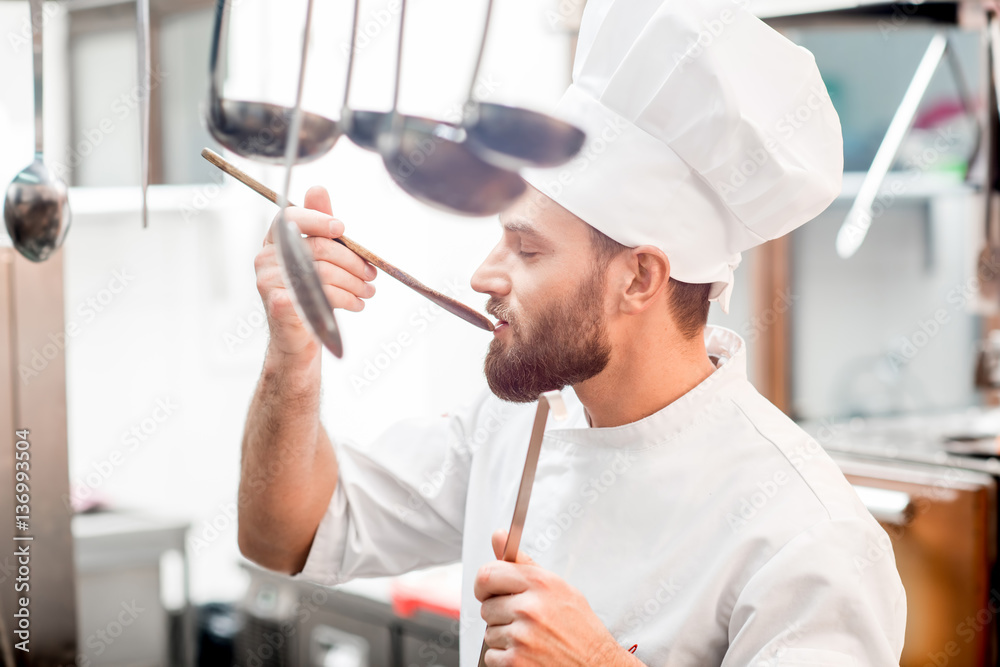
pixel 430 161
pixel 506 137
pixel 363 127
pixel 260 130
pixel 512 137
pixel 36 209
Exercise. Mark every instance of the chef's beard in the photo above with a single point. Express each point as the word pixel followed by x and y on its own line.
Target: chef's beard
pixel 563 345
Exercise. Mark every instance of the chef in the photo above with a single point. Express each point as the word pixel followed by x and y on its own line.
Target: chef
pixel 678 518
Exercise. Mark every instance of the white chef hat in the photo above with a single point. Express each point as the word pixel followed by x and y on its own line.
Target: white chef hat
pixel 708 133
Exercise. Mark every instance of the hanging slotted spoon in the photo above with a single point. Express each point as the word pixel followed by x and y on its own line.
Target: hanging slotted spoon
pixel 294 256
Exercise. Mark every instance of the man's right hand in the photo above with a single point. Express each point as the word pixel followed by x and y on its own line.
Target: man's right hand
pixel 288 471
pixel 345 276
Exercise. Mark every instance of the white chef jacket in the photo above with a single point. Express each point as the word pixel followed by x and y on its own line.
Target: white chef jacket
pixel 713 532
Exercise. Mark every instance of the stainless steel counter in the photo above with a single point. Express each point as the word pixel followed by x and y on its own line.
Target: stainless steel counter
pixel 121 617
pixel 913 438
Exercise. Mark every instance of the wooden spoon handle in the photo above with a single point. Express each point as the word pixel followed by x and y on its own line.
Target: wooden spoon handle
pixel 549 400
pixel 451 305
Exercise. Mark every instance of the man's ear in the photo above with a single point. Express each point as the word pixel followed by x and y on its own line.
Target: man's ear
pixel 645 277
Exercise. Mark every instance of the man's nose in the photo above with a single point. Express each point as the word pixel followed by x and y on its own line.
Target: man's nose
pixel 490 278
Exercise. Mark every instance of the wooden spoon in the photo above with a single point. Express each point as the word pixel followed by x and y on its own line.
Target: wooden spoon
pixel 451 305
pixel 549 400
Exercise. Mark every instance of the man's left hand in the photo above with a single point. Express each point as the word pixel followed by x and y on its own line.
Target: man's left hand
pixel 536 618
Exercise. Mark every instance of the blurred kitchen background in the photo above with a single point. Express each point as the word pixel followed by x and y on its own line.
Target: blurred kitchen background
pixel 165 334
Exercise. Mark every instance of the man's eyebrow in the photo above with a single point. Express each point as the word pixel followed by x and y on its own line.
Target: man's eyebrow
pixel 524 228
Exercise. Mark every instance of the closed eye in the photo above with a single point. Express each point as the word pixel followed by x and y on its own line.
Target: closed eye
pixel 521 234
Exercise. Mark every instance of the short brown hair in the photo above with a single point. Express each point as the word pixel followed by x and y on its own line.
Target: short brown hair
pixel 689 302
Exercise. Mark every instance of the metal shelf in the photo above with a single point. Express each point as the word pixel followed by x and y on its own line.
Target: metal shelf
pixel 910 186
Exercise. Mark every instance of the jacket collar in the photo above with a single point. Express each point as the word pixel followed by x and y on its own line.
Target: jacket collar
pixel 675 418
